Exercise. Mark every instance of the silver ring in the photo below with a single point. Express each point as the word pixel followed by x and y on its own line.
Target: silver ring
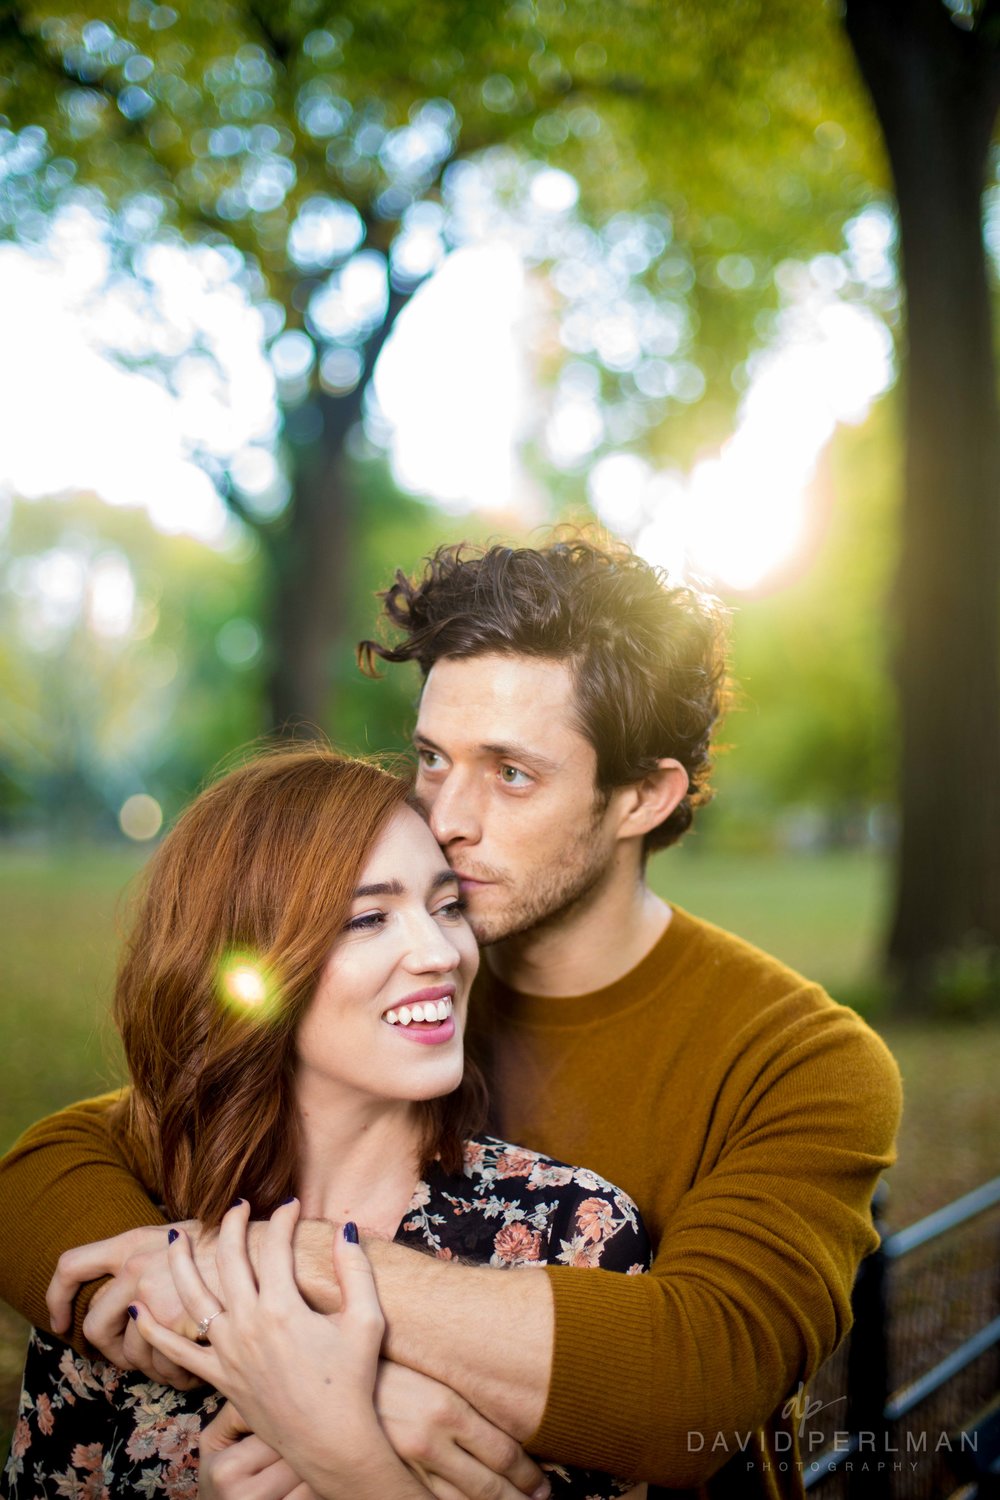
pixel 206 1323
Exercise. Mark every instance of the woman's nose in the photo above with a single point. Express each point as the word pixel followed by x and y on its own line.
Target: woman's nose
pixel 431 950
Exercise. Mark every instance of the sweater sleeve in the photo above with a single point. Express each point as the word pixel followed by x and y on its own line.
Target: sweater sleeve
pixel 64 1183
pixel 751 1282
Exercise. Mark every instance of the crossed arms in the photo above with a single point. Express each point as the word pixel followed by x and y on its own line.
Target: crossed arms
pixel 749 1291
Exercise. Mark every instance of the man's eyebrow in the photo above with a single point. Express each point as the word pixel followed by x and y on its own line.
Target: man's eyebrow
pixel 397 888
pixel 513 751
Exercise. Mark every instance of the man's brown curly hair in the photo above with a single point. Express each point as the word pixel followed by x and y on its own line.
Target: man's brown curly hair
pixel 647 657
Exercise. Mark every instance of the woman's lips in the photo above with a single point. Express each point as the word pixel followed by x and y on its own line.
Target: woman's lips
pixel 430 1033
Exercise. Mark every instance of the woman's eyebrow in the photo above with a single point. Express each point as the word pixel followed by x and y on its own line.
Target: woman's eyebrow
pixel 397 888
pixel 381 888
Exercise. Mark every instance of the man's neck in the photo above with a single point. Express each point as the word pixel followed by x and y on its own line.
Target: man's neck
pixel 590 947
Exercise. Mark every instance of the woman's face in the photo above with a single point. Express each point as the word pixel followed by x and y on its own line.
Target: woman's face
pixel 388 1015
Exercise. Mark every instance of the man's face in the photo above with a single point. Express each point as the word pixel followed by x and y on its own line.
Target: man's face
pixel 507 781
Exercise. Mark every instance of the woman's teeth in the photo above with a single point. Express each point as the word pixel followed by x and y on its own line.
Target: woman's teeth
pixel 429 1010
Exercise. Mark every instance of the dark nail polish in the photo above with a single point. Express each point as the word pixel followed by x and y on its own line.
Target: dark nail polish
pixel 171 1236
pixel 133 1312
pixel 286 1200
pixel 236 1203
pixel 351 1232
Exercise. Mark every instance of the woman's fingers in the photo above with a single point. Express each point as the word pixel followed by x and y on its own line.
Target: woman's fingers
pixel 277 1258
pixel 200 1304
pixel 361 1308
pixel 236 1277
pixel 200 1359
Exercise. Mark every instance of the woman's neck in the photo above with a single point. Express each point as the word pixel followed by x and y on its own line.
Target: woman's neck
pixel 360 1159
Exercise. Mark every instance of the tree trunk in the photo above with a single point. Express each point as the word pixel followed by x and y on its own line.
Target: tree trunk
pixel 309 560
pixel 310 557
pixel 935 90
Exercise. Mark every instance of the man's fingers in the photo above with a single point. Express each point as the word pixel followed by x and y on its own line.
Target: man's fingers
pixel 225 1428
pixel 89 1263
pixel 199 1359
pixel 235 1464
pixel 137 1354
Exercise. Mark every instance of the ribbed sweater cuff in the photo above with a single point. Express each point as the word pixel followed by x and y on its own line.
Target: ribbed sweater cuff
pixel 598 1408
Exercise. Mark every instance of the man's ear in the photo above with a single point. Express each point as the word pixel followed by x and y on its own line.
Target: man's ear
pixel 649 802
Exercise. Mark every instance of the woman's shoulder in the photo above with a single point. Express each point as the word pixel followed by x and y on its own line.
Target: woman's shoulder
pixel 489 1160
pixel 581 1218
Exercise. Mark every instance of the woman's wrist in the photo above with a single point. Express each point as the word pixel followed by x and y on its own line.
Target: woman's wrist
pixel 365 1464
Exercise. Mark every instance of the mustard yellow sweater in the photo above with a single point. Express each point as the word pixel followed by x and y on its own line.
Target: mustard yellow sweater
pixel 749 1117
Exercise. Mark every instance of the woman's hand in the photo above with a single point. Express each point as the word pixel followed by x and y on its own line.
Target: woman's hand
pixel 234 1464
pixel 302 1381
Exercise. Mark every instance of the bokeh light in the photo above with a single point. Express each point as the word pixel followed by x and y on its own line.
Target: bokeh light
pixel 140 817
pixel 246 986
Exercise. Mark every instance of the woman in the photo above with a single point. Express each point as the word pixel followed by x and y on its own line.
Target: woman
pixel 291 1004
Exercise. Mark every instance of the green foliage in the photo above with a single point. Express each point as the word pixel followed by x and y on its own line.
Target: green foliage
pixel 741 123
pixel 113 669
pixel 813 721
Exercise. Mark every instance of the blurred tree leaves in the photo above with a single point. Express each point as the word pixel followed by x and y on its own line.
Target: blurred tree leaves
pixel 316 142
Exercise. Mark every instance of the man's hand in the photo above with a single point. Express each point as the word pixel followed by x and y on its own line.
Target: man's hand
pixel 456 1452
pixel 137 1262
pixel 236 1465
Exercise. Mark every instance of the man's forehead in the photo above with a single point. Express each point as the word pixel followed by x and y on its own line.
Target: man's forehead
pixel 491 701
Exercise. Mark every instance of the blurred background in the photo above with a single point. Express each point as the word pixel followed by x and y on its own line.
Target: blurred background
pixel 291 294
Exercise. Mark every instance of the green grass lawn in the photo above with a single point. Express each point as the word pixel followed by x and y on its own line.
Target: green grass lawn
pixel 59 913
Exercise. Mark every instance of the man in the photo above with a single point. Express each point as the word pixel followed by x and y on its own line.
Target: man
pixel 563 736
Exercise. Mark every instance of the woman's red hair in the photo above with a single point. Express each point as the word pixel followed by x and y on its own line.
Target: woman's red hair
pixel 264 863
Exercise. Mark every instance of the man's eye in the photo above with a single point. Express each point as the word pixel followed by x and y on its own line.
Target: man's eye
pixel 430 760
pixel 511 776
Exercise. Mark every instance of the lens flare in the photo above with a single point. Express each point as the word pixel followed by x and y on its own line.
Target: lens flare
pixel 246 987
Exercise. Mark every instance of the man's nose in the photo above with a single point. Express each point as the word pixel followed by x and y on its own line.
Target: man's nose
pixel 453 814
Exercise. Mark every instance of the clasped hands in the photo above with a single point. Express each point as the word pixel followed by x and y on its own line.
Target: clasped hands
pixel 302 1381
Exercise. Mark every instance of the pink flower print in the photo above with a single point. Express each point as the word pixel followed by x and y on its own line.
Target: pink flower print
pixel 595 1219
pixel 89 1456
pixel 443 1253
pixel 176 1436
pixel 517 1243
pixel 421 1197
pixel 545 1175
pixel 43 1411
pixel 77 1373
pixel 22 1438
pixel 180 1481
pixel 142 1443
pixel 579 1252
pixel 515 1163
pixel 473 1154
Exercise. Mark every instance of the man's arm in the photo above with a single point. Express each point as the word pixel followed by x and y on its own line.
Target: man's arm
pixel 64 1182
pixel 749 1291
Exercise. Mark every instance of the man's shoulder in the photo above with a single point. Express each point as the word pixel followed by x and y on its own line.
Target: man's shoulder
pixel 694 953
pixel 755 998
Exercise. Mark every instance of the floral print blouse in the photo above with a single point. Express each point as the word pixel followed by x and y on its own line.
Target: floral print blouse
pixel 89 1431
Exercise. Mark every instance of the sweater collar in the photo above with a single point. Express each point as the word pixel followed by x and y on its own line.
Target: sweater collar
pixel 657 968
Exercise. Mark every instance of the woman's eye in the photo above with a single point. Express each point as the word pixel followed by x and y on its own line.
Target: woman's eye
pixel 369 922
pixel 511 776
